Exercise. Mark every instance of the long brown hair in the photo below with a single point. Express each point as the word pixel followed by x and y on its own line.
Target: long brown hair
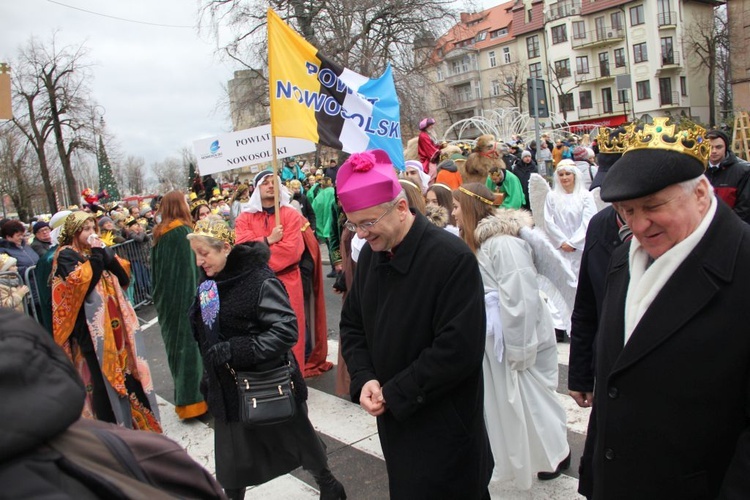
pixel 473 210
pixel 173 207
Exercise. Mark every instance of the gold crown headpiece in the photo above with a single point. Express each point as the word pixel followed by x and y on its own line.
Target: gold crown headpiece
pixel 659 135
pixel 216 229
pixel 610 141
pixel 196 204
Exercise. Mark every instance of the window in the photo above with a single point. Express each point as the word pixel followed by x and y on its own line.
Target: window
pixel 604 64
pixel 528 15
pixel 506 55
pixel 607 100
pixel 463 93
pixel 440 76
pixel 664 16
pixel 559 34
pixel 566 103
pixel 582 65
pixel 493 62
pixel 532 46
pixel 535 70
pixel 636 16
pixel 601 29
pixel 499 33
pixel 622 96
pixel 667 52
pixel 643 90
pixel 579 30
pixel 462 65
pixel 639 53
pixel 665 92
pixel 495 87
pixel 616 20
pixel 619 58
pixel 584 97
pixel 683 85
pixel 481 36
pixel 562 68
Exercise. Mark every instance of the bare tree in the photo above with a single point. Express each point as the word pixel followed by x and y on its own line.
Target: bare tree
pixel 15 170
pixel 362 35
pixel 133 168
pixel 561 81
pixel 52 84
pixel 706 37
pixel 169 174
pixel 512 84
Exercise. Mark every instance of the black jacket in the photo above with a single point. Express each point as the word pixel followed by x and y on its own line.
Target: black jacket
pixel 255 317
pixel 416 323
pixel 730 182
pixel 523 171
pixel 671 414
pixel 601 240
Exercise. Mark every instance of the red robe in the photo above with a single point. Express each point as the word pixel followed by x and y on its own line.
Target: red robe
pixel 426 148
pixel 317 362
pixel 285 256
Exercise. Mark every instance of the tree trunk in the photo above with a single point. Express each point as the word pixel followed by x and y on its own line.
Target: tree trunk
pixel 70 180
pixel 37 139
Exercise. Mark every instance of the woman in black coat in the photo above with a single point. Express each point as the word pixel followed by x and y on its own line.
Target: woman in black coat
pixel 242 318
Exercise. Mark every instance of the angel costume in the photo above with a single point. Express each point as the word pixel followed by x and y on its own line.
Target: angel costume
pixel 526 423
pixel 567 215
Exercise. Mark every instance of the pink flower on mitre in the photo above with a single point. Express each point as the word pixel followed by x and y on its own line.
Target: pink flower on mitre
pixel 362 162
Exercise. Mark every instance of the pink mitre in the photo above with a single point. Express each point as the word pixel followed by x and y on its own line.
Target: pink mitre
pixel 366 180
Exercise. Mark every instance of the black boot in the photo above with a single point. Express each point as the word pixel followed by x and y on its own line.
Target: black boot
pixel 330 488
pixel 564 465
pixel 235 494
pixel 560 334
pixel 332 274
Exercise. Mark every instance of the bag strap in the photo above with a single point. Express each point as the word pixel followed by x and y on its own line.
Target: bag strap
pixel 123 454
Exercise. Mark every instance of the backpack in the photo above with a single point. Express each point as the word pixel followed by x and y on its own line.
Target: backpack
pixel 93 459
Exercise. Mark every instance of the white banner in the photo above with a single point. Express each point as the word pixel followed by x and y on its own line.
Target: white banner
pixel 244 148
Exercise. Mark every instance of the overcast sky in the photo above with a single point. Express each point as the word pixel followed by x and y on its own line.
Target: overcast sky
pixel 161 87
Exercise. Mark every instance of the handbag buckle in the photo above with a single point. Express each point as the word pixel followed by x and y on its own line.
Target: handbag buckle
pixel 280 392
pixel 255 403
pixel 247 385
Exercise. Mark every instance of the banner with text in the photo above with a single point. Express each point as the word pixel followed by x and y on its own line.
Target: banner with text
pixel 244 148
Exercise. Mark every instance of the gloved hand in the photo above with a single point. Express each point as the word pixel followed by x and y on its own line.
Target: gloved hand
pixel 219 353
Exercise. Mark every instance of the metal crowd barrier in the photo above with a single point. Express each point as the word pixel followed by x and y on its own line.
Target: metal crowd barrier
pixel 29 279
pixel 138 254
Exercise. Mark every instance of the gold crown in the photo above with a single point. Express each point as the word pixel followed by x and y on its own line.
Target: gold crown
pixel 196 204
pixel 659 135
pixel 610 141
pixel 216 229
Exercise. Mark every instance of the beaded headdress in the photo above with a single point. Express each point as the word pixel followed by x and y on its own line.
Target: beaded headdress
pixel 663 136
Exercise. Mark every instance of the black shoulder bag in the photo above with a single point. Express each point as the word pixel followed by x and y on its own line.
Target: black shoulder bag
pixel 266 397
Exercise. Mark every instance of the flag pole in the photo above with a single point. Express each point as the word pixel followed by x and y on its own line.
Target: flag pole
pixel 276 183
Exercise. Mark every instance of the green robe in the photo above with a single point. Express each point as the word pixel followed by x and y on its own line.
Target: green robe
pixel 322 204
pixel 511 187
pixel 174 277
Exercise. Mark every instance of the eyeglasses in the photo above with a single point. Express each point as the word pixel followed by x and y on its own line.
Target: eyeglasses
pixel 366 226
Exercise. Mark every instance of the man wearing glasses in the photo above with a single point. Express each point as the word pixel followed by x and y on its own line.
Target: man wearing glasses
pixel 413 334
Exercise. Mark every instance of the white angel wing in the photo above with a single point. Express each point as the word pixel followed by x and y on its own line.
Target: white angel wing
pixel 556 278
pixel 597 194
pixel 538 189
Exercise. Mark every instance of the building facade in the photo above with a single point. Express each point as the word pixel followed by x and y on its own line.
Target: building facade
pixel 602 61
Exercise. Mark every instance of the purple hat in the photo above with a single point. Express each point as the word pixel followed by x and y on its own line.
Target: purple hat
pixel 426 122
pixel 366 180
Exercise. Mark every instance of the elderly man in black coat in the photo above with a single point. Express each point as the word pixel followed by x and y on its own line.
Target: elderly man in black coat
pixel 412 334
pixel 671 409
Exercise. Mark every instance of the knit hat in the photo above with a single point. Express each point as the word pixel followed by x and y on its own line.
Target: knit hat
pixel 104 220
pixel 6 262
pixel 718 134
pixel 366 180
pixel 526 153
pixel 580 154
pixel 39 225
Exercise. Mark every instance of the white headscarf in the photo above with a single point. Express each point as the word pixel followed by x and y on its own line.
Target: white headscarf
pixel 255 205
pixel 56 223
pixel 568 166
pixel 423 177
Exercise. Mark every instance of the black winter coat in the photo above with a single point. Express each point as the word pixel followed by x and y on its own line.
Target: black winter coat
pixel 601 240
pixel 732 184
pixel 416 323
pixel 671 414
pixel 256 319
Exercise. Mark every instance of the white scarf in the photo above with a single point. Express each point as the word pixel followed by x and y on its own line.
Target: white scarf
pixel 647 281
pixel 255 204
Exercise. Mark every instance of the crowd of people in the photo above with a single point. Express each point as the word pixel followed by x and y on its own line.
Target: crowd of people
pixel 447 334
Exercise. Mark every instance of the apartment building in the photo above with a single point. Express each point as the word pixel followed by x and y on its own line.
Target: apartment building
pixel 603 61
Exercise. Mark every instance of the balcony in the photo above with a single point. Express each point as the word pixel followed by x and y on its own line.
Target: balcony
pixel 666 20
pixel 463 77
pixel 562 9
pixel 670 62
pixel 600 109
pixel 596 73
pixel 599 38
pixel 459 104
pixel 670 100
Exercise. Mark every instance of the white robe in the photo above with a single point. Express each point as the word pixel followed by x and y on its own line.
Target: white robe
pixel 566 218
pixel 526 423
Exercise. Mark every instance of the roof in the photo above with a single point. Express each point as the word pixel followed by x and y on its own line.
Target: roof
pixel 476 30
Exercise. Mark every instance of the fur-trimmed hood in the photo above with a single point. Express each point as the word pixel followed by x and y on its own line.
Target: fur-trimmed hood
pixel 505 222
